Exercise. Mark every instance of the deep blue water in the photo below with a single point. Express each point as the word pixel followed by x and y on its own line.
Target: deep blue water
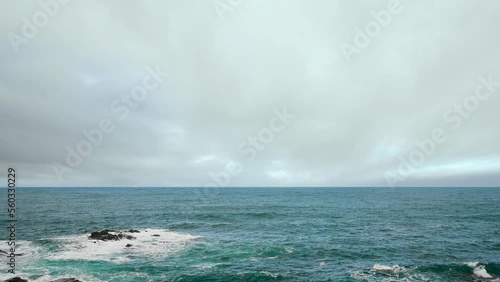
pixel 264 234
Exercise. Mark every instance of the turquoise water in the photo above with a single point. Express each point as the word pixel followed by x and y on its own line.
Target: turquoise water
pixel 342 234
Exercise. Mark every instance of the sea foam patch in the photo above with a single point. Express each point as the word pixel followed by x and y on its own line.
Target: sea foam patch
pixel 148 243
pixel 387 269
pixel 25 253
pixel 479 270
pixel 381 272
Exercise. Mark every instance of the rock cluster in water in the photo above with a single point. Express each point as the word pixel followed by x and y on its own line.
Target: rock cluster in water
pixel 103 235
pixel 19 279
pixel 112 235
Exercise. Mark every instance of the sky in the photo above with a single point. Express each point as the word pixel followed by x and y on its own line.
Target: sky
pixel 259 93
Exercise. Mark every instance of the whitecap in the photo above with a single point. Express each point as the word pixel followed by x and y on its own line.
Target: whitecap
pixel 381 267
pixel 267 273
pixel 388 269
pixel 481 272
pixel 26 253
pixel 471 264
pixel 207 265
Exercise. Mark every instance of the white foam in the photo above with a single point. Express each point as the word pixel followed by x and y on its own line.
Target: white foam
pixel 384 268
pixel 23 248
pixel 27 252
pixel 144 246
pixel 481 272
pixel 381 267
pixel 207 265
pixel 360 276
pixel 471 264
pixel 267 273
pixel 384 273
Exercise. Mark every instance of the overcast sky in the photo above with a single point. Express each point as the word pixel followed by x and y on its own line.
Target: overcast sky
pixel 275 71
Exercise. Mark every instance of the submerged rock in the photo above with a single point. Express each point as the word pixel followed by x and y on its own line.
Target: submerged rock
pixel 16 279
pixel 128 245
pixel 109 235
pixel 134 231
pixel 156 235
pixel 104 235
pixel 19 279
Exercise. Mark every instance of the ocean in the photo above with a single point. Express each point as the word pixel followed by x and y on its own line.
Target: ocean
pixel 257 234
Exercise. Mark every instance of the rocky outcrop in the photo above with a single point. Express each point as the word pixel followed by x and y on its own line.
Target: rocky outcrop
pixel 110 235
pixel 16 279
pixel 128 245
pixel 19 279
pixel 134 231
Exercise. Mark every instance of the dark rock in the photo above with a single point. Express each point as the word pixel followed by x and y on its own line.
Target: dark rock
pixel 129 237
pixel 128 245
pixel 106 235
pixel 67 280
pixel 156 235
pixel 134 231
pixel 16 279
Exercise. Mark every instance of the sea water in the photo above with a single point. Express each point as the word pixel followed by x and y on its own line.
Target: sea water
pixel 257 234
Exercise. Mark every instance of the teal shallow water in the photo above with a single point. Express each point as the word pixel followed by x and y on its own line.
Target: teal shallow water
pixel 341 234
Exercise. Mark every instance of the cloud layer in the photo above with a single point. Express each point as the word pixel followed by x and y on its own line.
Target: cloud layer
pixel 231 65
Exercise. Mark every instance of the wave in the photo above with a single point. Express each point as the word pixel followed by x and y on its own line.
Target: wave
pixel 149 243
pixel 250 276
pixel 479 270
pixel 469 271
pixel 39 257
pixel 391 269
